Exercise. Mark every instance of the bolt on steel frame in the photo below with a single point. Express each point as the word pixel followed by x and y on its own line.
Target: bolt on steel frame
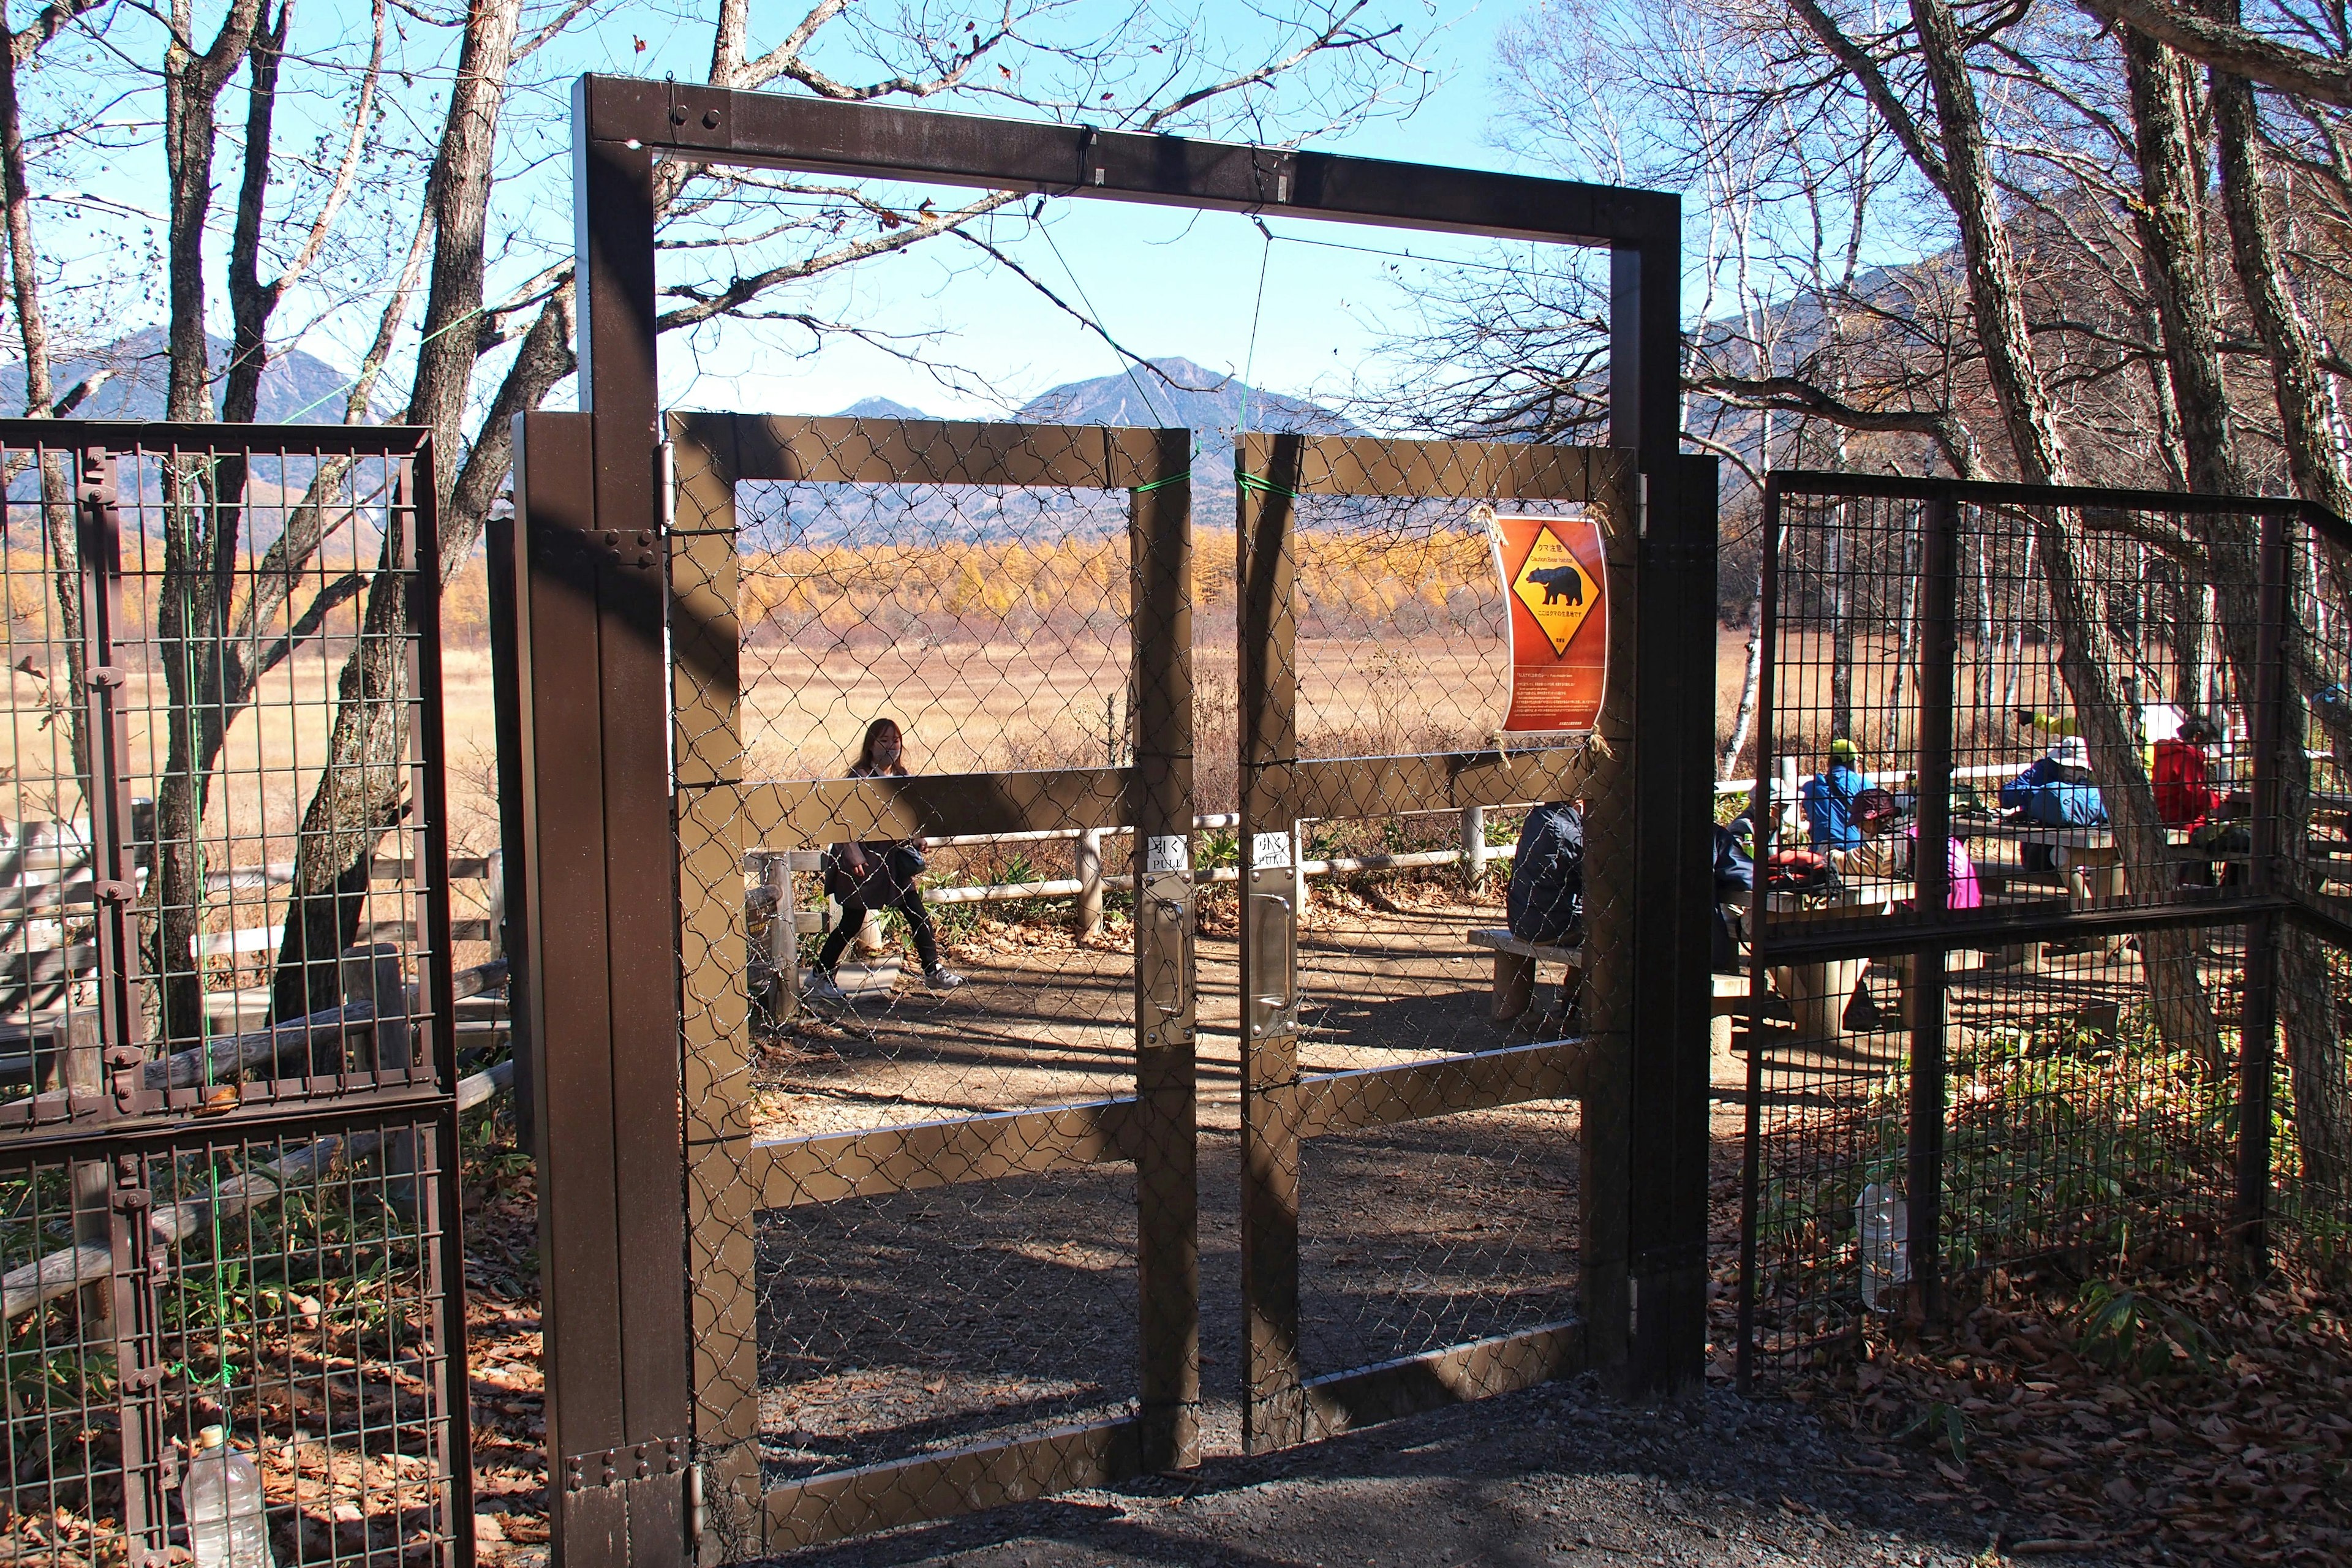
pixel 201 1219
pixel 2084 1046
pixel 647 1381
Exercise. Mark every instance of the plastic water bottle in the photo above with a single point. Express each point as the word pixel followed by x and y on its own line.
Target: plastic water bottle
pixel 1883 1225
pixel 222 1495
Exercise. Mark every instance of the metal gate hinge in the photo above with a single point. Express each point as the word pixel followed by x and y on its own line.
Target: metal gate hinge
pixel 104 676
pixel 114 892
pixel 612 1467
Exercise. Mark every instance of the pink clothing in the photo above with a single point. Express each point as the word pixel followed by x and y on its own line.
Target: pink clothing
pixel 1965 894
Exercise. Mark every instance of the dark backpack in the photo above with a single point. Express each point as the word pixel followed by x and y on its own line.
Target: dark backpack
pixel 1546 896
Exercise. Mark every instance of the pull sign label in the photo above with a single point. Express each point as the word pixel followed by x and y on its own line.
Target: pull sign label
pixel 1269 849
pixel 1168 852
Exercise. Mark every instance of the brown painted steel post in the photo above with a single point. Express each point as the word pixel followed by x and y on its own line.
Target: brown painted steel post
pixel 1273 1409
pixel 1763 817
pixel 715 961
pixel 1673 774
pixel 1603 1125
pixel 600 977
pixel 1166 1163
pixel 501 554
pixel 1931 870
pixel 100 530
pixel 2258 1042
pixel 614 551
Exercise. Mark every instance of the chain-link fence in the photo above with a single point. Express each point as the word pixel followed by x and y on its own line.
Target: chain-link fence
pixel 223 899
pixel 1409 1125
pixel 937 680
pixel 2056 1035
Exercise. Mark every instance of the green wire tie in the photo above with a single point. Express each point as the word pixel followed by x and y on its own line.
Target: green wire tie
pixel 1161 482
pixel 1250 481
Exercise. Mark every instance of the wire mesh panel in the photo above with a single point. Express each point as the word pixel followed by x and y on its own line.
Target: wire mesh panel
pixel 2054 1037
pixel 937 894
pixel 1411 1183
pixel 2312 1103
pixel 223 899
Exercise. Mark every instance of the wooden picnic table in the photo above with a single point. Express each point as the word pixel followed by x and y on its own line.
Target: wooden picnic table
pixel 1817 992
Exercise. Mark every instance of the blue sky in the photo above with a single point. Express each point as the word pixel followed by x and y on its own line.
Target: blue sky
pixel 1162 281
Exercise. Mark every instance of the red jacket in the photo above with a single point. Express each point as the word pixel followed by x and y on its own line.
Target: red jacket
pixel 2182 793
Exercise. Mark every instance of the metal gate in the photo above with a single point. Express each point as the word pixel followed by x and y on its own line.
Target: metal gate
pixel 862 1173
pixel 2122 713
pixel 1365 1025
pixel 642 777
pixel 228 1158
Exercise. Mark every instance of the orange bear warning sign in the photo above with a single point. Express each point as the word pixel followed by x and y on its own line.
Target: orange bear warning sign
pixel 1554 573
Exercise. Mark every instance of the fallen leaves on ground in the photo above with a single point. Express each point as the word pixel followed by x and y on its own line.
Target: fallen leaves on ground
pixel 2154 1408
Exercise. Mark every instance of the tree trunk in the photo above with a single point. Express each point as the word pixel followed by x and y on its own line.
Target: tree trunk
pixel 57 477
pixel 358 798
pixel 2088 660
pixel 196 580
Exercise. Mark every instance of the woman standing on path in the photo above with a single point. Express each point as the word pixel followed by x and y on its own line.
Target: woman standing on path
pixel 876 876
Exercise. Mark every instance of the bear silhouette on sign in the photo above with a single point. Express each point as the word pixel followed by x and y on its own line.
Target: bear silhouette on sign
pixel 1561 583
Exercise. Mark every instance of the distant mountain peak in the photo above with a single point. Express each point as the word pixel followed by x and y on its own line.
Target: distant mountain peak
pixel 880 408
pixel 297 388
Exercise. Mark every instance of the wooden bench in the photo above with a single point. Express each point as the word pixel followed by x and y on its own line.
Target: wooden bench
pixel 1515 968
pixel 1515 980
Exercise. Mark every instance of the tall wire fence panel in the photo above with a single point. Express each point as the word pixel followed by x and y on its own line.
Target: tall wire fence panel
pixel 2058 1036
pixel 933 745
pixel 1412 1143
pixel 227 1122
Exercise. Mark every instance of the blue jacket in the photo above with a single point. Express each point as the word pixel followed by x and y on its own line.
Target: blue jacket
pixel 1829 807
pixel 2048 796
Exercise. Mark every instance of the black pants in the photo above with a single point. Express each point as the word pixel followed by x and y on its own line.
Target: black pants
pixel 853 915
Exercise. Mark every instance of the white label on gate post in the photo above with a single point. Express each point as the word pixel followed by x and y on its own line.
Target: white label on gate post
pixel 1269 849
pixel 1168 852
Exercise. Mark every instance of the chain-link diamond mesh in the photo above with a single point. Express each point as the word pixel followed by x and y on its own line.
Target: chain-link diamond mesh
pixel 937 970
pixel 1409 1124
pixel 2067 1040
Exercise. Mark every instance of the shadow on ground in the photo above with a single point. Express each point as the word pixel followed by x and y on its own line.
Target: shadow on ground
pixel 1556 1475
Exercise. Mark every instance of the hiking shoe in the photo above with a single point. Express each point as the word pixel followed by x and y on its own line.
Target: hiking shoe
pixel 942 980
pixel 826 989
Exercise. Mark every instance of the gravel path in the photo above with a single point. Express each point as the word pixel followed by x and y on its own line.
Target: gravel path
pixel 1556 1475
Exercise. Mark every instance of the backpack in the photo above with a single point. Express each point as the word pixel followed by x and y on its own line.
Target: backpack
pixel 2057 805
pixel 1801 871
pixel 1546 901
pixel 2182 793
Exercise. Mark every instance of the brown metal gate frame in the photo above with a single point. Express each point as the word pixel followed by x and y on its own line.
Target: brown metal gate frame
pixel 720 817
pixel 595 779
pixel 135 1110
pixel 1281 1107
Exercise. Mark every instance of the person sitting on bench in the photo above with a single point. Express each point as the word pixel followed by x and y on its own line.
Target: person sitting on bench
pixel 1547 895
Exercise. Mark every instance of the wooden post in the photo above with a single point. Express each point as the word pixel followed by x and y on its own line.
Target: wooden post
pixel 1273 1399
pixel 784 935
pixel 1089 872
pixel 1167 1178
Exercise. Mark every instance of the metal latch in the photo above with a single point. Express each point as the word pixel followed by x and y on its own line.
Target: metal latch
pixel 616 1466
